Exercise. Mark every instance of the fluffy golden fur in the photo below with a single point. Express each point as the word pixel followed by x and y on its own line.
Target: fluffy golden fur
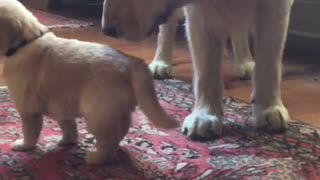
pixel 161 63
pixel 208 24
pixel 66 78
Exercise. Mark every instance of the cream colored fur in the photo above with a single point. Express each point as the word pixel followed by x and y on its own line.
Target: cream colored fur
pixel 161 64
pixel 66 78
pixel 208 24
pixel 162 61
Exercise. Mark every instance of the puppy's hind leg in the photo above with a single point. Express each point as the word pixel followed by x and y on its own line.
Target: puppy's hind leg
pixel 105 150
pixel 69 132
pixel 108 131
pixel 31 128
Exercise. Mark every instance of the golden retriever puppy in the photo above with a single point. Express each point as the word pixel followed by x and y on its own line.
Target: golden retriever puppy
pixel 208 24
pixel 65 79
pixel 161 64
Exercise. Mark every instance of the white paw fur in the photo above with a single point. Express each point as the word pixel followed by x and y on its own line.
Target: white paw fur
pixel 160 68
pixel 19 145
pixel 200 123
pixel 245 70
pixel 273 118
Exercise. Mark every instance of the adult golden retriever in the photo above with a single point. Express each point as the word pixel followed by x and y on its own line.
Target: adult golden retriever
pixel 65 79
pixel 208 23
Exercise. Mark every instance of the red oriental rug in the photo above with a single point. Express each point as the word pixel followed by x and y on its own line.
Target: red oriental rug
pixel 241 152
pixel 53 21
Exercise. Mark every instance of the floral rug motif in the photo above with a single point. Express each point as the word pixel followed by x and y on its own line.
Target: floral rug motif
pixel 242 152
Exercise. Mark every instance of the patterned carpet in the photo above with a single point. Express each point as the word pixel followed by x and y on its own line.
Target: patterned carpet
pixel 149 153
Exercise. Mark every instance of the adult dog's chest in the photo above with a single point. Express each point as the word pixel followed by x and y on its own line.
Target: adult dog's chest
pixel 224 14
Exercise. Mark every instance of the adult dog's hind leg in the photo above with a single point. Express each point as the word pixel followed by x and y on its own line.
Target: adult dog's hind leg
pixel 207 51
pixel 271 31
pixel 243 59
pixel 160 67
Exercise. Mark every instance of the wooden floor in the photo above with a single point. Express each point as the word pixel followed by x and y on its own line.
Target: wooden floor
pixel 300 89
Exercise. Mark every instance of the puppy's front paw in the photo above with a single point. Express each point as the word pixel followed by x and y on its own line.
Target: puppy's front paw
pixel 202 124
pixel 160 69
pixel 274 118
pixel 19 145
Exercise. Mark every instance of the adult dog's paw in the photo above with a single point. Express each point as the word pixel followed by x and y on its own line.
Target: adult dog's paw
pixel 274 118
pixel 245 70
pixel 160 69
pixel 201 124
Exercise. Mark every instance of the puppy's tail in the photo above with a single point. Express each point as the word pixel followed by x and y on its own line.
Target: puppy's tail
pixel 146 97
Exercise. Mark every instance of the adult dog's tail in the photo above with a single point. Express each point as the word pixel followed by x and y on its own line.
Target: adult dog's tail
pixel 146 98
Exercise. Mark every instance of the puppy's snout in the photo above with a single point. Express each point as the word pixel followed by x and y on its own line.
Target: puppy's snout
pixel 110 31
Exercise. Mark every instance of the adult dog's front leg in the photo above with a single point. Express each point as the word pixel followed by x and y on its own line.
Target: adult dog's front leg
pixel 207 49
pixel 272 25
pixel 31 128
